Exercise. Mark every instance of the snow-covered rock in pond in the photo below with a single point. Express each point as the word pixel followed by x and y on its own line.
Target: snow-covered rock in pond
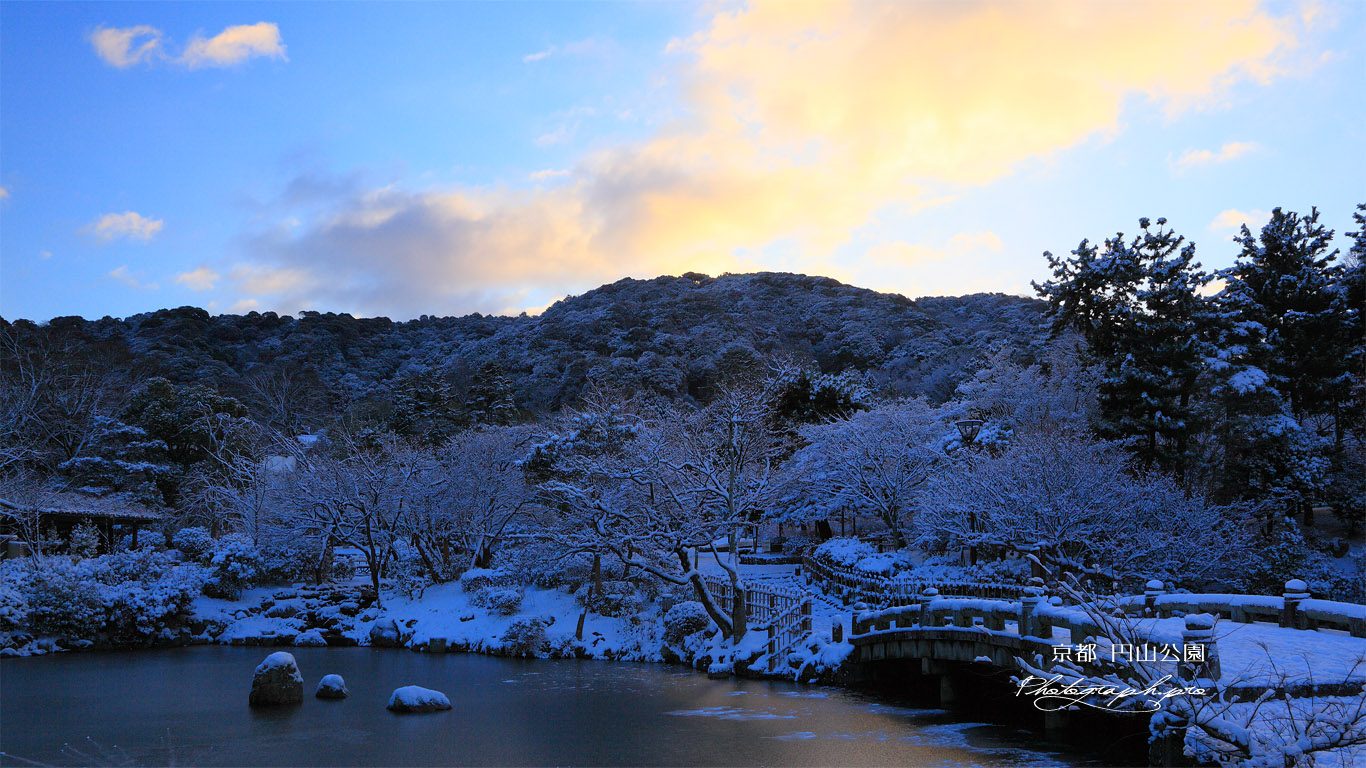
pixel 414 698
pixel 332 687
pixel 384 634
pixel 277 681
pixel 310 639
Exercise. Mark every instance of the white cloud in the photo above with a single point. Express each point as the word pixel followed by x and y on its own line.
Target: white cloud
pixel 123 275
pixel 592 46
pixel 234 45
pixel 1234 218
pixel 802 122
pixel 127 46
pixel 128 224
pixel 4 193
pixel 1230 151
pixel 547 174
pixel 199 279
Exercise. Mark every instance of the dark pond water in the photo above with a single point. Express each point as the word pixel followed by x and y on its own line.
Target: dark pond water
pixel 189 707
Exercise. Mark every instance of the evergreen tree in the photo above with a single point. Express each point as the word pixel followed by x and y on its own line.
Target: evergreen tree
pixel 121 459
pixel 425 409
pixel 194 422
pixel 1283 280
pixel 1138 304
pixel 490 397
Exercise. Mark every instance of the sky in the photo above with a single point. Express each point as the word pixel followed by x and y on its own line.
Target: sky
pixel 444 158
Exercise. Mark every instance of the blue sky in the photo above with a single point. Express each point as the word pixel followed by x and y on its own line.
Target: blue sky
pixel 408 159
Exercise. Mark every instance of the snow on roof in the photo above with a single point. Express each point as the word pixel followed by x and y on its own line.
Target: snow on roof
pixel 81 505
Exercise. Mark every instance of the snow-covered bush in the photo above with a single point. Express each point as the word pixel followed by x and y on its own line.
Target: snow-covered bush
pixel 410 577
pixel 860 556
pixel 685 619
pixel 618 598
pixel 194 542
pixel 123 597
pixel 85 540
pixel 476 579
pixel 526 637
pixel 13 603
pixel 501 600
pixel 236 565
pixel 286 559
pixel 62 604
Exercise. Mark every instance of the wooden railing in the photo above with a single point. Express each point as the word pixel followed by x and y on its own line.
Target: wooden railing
pixel 783 613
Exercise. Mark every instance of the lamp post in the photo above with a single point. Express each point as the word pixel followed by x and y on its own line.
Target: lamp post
pixel 968 429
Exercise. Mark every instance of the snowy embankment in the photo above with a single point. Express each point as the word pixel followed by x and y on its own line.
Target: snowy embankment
pixel 453 617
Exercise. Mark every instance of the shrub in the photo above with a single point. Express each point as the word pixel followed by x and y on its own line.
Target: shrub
pixel 14 584
pixel 120 597
pixel 618 598
pixel 61 604
pixel 410 577
pixel 195 542
pixel 685 619
pixel 526 637
pixel 85 540
pixel 235 565
pixel 287 559
pixel 476 579
pixel 500 600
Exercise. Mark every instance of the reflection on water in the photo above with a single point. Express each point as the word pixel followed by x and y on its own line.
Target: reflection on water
pixel 189 707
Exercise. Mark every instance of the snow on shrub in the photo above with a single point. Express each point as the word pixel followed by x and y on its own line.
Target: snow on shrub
pixel 685 619
pixel 526 637
pixel 501 600
pixel 121 597
pixel 13 603
pixel 236 564
pixel 476 579
pixel 860 556
pixel 618 598
pixel 195 542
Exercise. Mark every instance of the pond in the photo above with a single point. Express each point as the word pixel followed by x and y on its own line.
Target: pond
pixel 188 706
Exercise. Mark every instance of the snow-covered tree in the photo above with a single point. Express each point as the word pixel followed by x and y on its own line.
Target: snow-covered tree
pixel 874 462
pixel 681 482
pixel 1057 392
pixel 1072 503
pixel 479 493
pixel 1138 304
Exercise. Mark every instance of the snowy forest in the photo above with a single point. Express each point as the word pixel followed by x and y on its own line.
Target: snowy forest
pixel 1141 419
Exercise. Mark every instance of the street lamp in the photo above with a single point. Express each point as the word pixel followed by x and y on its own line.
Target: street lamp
pixel 969 428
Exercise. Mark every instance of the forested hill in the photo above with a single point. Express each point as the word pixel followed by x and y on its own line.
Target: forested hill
pixel 673 335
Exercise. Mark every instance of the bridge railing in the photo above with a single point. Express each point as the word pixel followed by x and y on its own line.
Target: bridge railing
pixel 1036 619
pixel 1293 608
pixel 854 585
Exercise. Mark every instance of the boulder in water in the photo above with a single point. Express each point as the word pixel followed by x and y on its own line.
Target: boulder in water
pixel 277 681
pixel 332 687
pixel 413 699
pixel 310 639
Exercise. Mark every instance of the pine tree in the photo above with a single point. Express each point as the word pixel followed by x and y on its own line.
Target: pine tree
pixel 1279 368
pixel 490 397
pixel 425 409
pixel 1283 280
pixel 1138 304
